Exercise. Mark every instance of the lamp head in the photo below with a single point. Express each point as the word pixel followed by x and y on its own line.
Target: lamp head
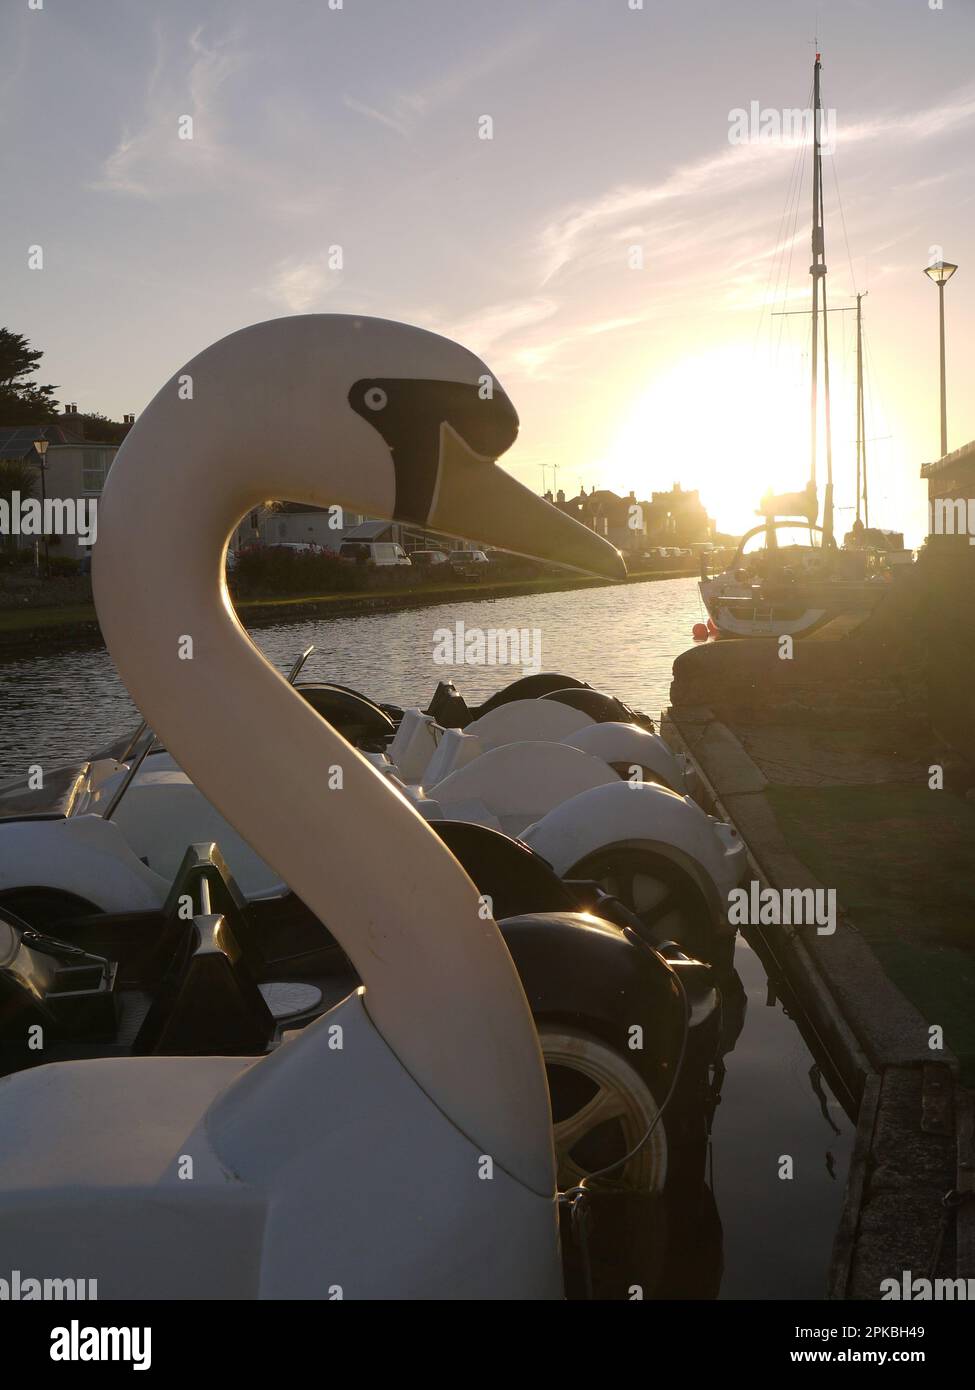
pixel 940 271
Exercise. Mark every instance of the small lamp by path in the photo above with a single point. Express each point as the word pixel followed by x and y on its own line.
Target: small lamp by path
pixel 40 446
pixel 941 272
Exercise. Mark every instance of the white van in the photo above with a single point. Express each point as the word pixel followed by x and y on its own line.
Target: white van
pixel 373 553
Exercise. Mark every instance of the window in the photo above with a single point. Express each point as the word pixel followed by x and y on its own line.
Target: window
pixel 787 537
pixel 94 469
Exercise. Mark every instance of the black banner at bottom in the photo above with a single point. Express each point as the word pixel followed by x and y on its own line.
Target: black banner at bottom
pixel 280 1339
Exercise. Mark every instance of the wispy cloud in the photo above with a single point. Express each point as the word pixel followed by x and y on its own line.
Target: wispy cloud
pixel 917 125
pixel 151 161
pixel 533 338
pixel 405 110
pixel 448 86
pixel 584 229
pixel 584 226
pixel 381 116
pixel 484 329
pixel 299 283
pixel 554 358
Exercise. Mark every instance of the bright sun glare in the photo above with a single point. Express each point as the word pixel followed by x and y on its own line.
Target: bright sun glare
pixel 730 423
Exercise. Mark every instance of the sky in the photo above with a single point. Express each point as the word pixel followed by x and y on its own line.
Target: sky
pixel 318 124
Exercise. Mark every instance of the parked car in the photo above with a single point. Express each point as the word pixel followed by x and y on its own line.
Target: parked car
pixel 469 564
pixel 373 553
pixel 427 559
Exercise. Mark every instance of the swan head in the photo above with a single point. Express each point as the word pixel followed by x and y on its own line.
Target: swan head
pixel 379 417
pixel 444 437
pixel 415 424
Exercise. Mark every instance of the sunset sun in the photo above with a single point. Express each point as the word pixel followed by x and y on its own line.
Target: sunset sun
pixel 724 422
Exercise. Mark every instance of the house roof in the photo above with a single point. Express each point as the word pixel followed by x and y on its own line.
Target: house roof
pixel 966 454
pixel 17 441
pixel 367 531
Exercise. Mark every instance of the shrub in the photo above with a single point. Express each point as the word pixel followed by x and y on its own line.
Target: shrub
pixel 62 566
pixel 269 570
pixel 17 557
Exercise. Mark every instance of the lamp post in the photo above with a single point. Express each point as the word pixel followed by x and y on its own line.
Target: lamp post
pixel 941 272
pixel 40 445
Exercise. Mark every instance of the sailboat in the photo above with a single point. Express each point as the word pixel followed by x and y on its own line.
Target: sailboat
pixel 788 576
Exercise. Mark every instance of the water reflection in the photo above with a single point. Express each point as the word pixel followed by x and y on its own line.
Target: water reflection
pixel 58 706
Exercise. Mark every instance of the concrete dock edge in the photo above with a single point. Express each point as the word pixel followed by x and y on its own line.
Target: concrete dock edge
pixel 915 1136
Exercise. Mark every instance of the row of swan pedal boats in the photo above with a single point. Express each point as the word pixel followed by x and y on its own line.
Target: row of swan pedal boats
pixel 623 916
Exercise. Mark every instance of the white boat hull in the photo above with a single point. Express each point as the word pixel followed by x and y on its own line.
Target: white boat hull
pixel 320 1172
pixel 749 615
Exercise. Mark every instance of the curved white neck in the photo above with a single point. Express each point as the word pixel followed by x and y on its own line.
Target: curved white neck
pixel 441 987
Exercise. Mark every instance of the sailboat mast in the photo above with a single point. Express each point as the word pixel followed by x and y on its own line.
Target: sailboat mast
pixel 859 407
pixel 816 270
pixel 861 420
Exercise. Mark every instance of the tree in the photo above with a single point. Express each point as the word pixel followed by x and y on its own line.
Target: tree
pixel 16 475
pixel 100 427
pixel 22 402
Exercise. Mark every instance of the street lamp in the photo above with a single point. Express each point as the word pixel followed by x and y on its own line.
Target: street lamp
pixel 40 446
pixel 941 272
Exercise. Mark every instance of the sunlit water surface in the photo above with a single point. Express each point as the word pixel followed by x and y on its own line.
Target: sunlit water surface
pixel 776 1232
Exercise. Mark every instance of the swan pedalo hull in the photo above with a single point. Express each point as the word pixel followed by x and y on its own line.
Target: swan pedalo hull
pixel 206 1037
pixel 522 767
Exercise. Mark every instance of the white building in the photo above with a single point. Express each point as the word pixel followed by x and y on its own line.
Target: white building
pixel 75 469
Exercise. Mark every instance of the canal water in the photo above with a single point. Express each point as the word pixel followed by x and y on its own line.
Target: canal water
pixel 777 1115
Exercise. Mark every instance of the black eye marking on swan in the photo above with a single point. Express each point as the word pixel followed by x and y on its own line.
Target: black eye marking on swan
pixel 408 413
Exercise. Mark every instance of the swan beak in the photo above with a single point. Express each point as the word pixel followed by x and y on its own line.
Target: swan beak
pixel 478 501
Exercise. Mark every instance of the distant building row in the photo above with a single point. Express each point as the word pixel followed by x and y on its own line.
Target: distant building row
pixel 294 523
pixel 77 464
pixel 674 518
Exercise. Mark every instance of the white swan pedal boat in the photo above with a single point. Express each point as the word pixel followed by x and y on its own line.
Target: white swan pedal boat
pixel 169 1123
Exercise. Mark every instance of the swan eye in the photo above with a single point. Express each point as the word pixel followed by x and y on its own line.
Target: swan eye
pixel 409 411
